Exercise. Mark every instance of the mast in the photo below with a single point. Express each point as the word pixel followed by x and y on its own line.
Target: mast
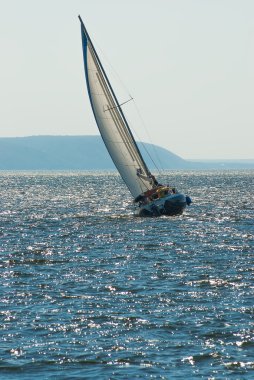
pixel 113 93
pixel 112 123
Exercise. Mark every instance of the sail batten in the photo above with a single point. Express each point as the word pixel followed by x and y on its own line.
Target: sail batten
pixel 112 123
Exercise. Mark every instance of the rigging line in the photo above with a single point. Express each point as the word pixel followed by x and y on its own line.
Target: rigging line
pixel 147 151
pixel 144 147
pixel 117 76
pixel 149 137
pixel 144 184
pixel 119 105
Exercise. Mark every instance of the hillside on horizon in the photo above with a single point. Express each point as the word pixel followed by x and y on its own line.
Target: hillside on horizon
pixel 89 153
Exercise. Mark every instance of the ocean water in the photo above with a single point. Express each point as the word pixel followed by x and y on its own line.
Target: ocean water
pixel 88 291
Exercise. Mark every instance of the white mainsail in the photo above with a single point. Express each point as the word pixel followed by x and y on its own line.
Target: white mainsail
pixel 112 124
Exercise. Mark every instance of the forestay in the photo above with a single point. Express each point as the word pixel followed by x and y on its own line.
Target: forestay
pixel 112 124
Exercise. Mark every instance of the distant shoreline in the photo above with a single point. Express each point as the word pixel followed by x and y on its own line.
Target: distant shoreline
pixel 77 153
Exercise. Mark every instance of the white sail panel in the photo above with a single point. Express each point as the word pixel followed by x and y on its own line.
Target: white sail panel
pixel 113 126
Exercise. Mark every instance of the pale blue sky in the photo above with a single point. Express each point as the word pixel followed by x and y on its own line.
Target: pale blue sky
pixel 189 65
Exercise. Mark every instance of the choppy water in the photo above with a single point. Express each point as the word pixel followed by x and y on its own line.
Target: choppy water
pixel 90 292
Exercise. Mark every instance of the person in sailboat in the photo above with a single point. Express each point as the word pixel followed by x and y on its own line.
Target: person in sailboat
pixel 148 195
pixel 155 182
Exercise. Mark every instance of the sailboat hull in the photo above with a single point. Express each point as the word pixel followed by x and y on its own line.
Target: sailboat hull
pixel 170 205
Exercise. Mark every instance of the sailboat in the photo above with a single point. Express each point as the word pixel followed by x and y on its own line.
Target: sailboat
pixel 150 197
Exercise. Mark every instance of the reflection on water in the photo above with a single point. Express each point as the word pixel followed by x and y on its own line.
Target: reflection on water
pixel 90 291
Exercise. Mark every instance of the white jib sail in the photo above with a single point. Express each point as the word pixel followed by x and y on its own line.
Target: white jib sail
pixel 112 123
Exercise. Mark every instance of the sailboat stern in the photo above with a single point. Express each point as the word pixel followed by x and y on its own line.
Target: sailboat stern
pixel 175 205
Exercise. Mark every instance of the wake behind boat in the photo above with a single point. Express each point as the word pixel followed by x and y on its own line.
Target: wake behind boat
pixel 150 197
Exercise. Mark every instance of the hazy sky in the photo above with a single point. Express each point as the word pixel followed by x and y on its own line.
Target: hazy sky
pixel 188 64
